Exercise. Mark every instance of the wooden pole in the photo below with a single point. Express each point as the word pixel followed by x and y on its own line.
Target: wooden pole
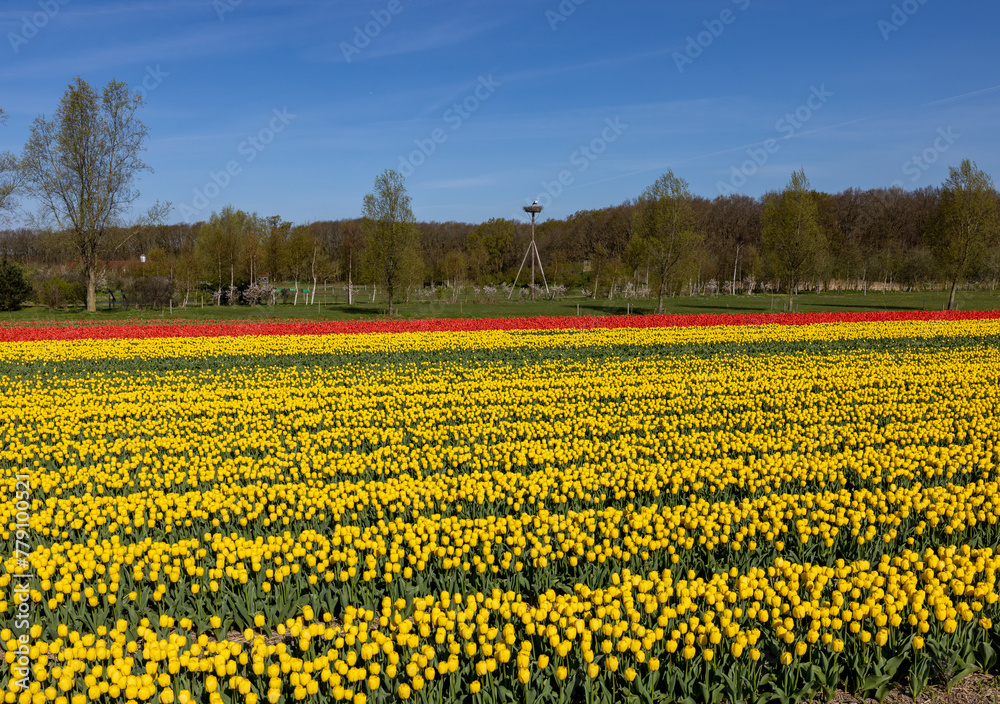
pixel 532 252
pixel 519 269
pixel 541 268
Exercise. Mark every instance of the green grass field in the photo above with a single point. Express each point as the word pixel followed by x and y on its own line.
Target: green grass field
pixel 334 307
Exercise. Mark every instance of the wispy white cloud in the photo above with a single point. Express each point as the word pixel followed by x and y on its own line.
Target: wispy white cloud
pixel 963 96
pixel 195 32
pixel 207 41
pixel 536 74
pixel 15 11
pixel 414 37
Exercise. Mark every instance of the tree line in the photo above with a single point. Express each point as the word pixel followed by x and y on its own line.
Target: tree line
pixel 81 167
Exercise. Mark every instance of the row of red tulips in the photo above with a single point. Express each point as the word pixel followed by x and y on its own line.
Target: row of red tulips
pixel 236 329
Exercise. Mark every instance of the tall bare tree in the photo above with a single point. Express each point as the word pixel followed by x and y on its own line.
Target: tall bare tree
pixel 82 165
pixel 967 225
pixel 350 247
pixel 10 176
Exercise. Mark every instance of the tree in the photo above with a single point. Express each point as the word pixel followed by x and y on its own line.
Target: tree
pixel 305 254
pixel 299 255
pixel 735 223
pixel 349 251
pixel 188 272
pixel 14 286
pixel 392 243
pixel 82 165
pixel 663 230
pixel 274 247
pixel 493 241
pixel 252 245
pixel 454 267
pixel 10 176
pixel 792 239
pixel 967 224
pixel 222 241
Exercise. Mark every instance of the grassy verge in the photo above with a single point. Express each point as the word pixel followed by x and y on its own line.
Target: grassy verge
pixel 329 306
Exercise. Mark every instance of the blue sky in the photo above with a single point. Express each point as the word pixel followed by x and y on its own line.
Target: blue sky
pixel 488 104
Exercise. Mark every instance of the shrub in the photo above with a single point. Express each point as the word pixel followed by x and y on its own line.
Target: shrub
pixel 14 286
pixel 58 291
pixel 149 291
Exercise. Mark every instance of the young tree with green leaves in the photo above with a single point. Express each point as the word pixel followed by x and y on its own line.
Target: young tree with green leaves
pixel 320 264
pixel 252 246
pixel 222 243
pixel 664 232
pixel 967 225
pixel 792 238
pixel 299 250
pixel 275 240
pixel 83 163
pixel 392 241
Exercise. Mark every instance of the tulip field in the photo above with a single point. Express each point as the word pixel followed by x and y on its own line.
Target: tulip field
pixel 549 511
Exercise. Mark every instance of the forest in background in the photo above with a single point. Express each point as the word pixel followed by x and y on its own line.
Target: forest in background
pixel 879 238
